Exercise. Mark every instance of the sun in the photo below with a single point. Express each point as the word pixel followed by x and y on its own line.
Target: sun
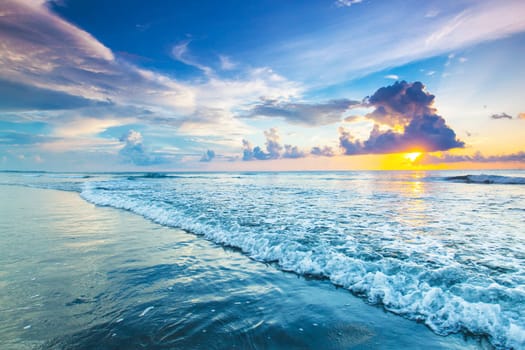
pixel 412 156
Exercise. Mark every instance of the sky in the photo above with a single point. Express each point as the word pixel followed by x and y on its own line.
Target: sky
pixel 129 85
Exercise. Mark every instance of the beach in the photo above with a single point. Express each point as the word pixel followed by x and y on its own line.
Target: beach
pixel 79 276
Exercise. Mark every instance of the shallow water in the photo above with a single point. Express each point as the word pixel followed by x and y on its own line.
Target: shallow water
pixel 445 253
pixel 75 276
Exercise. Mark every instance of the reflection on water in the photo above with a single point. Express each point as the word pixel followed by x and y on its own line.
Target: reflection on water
pixel 79 277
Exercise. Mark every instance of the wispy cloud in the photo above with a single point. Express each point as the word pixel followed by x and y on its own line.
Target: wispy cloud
pixel 307 114
pixel 501 116
pixel 226 63
pixel 181 53
pixel 48 63
pixel 392 76
pixel 477 157
pixel 14 138
pixel 390 44
pixel 347 3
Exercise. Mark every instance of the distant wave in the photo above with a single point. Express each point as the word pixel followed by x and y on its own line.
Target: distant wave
pixel 68 176
pixel 488 179
pixel 154 175
pixel 150 176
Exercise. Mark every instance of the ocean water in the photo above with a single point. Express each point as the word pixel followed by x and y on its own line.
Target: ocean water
pixel 443 249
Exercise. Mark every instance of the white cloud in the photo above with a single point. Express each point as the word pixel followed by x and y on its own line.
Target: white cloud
pixel 41 49
pixel 87 126
pixel 432 13
pixel 392 76
pixel 383 41
pixel 226 63
pixel 181 53
pixel 346 3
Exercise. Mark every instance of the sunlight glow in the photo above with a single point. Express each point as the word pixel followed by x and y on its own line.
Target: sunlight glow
pixel 412 156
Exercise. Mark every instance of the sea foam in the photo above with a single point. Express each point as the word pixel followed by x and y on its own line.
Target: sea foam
pixel 419 272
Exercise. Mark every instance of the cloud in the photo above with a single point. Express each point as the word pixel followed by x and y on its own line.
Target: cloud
pixel 407 111
pixel 398 103
pixel 135 152
pixel 14 138
pixel 346 3
pixel 521 116
pixel 501 116
pixel 325 151
pixel 226 63
pixel 348 143
pixel 432 13
pixel 208 156
pixel 81 126
pixel 309 114
pixel 62 62
pixel 382 43
pixel 274 149
pixel 292 152
pixel 181 53
pixel 392 76
pixel 21 97
pixel 41 50
pixel 273 146
pixel 477 157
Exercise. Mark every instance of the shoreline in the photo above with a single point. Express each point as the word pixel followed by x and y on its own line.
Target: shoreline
pixel 234 299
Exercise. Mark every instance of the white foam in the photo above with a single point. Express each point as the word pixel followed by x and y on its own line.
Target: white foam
pixel 422 272
pixel 146 310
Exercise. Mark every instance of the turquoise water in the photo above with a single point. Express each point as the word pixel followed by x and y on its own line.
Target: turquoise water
pixel 446 253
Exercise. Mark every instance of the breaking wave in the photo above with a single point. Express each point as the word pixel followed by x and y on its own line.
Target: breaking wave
pixel 488 179
pixel 448 280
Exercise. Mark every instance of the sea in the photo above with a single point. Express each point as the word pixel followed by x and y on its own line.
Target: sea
pixel 263 260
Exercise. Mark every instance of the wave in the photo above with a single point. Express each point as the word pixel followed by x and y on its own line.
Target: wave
pixel 445 295
pixel 167 176
pixel 150 176
pixel 488 179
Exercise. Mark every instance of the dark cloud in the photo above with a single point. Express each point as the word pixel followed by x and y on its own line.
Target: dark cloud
pixel 325 151
pixel 274 149
pixel 477 157
pixel 397 104
pixel 303 113
pixel 409 107
pixel 208 156
pixel 135 152
pixel 348 143
pixel 501 116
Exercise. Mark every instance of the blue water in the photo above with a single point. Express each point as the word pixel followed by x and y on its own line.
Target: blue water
pixel 435 247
